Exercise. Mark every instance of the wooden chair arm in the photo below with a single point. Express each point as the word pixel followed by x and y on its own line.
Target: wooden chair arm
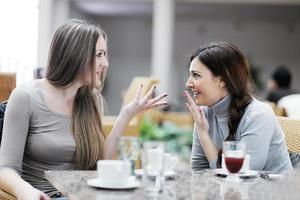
pixel 6 196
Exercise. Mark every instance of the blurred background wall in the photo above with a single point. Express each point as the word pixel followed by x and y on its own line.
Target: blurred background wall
pixel 268 32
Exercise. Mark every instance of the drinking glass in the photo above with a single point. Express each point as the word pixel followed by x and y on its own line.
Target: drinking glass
pixel 234 155
pixel 153 166
pixel 129 150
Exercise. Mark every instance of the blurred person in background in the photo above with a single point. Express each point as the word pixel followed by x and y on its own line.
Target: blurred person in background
pixel 279 84
pixel 224 109
pixel 55 123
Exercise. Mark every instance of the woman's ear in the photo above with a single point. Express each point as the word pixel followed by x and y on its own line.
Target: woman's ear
pixel 221 83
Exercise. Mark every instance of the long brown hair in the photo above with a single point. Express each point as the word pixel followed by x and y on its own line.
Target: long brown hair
pixel 71 56
pixel 227 61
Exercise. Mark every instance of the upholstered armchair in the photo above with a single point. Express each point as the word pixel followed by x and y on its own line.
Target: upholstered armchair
pixel 7 84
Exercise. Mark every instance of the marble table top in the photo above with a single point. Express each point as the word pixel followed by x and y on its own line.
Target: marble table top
pixel 184 185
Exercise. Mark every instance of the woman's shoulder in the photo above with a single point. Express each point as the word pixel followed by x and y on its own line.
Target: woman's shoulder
pixel 31 84
pixel 258 109
pixel 26 90
pixel 258 106
pixel 259 116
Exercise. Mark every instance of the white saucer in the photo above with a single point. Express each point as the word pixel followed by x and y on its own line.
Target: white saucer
pixel 168 174
pixel 131 183
pixel 248 174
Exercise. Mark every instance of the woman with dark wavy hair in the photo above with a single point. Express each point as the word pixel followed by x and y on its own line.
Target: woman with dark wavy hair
pixel 56 123
pixel 224 110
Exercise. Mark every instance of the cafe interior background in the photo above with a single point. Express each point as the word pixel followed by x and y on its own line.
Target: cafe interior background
pixel 155 38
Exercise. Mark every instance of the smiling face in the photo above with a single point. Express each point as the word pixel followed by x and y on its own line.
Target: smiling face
pixel 207 88
pixel 101 63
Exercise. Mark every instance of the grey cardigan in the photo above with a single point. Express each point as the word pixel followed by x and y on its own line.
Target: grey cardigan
pixel 258 127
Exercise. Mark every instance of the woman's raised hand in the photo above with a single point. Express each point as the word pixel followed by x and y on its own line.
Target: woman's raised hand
pixel 197 113
pixel 141 103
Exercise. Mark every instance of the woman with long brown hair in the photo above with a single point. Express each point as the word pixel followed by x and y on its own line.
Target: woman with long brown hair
pixel 224 110
pixel 55 123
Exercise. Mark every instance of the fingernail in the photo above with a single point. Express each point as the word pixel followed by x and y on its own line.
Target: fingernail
pixel 165 103
pixel 141 85
pixel 154 87
pixel 165 95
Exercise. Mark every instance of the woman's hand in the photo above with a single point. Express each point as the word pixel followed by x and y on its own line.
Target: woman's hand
pixel 33 194
pixel 141 104
pixel 138 105
pixel 42 196
pixel 197 113
pixel 202 126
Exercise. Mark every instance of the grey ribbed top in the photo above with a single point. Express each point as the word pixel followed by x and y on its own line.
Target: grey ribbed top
pixel 35 139
pixel 258 128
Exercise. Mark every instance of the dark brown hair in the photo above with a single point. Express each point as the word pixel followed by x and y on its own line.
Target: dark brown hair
pixel 227 61
pixel 72 56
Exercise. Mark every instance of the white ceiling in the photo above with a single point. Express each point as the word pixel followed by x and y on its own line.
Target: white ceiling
pixel 290 10
pixel 269 2
pixel 114 7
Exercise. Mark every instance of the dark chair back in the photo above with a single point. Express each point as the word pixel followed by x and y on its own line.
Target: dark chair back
pixel 2 111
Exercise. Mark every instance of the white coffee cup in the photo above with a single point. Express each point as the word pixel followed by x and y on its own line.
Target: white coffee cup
pixel 170 162
pixel 113 171
pixel 246 165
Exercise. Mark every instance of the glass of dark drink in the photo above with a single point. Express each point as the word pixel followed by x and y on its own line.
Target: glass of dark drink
pixel 234 155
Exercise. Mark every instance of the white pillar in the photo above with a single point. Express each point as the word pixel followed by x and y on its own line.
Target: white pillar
pixel 162 44
pixel 52 13
pixel 44 30
pixel 61 12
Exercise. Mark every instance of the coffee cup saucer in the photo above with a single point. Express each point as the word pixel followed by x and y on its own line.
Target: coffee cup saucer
pixel 248 174
pixel 167 174
pixel 131 183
